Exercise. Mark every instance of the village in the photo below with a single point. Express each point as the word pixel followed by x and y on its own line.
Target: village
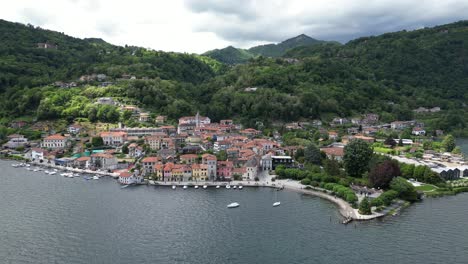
pixel 198 150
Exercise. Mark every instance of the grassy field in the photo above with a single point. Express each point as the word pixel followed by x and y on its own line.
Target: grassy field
pixel 382 150
pixel 426 188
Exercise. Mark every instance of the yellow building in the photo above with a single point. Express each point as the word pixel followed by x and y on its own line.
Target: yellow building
pixel 200 172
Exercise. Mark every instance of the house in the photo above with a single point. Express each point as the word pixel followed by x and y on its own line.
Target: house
pixel 339 121
pixel 286 161
pixel 56 141
pixel 144 117
pixel 103 161
pixel 101 77
pixel 363 138
pixel 224 170
pixel 250 132
pixel 161 119
pixel 129 178
pixel 418 131
pixel 15 141
pixel 226 122
pixel 370 119
pixel 46 46
pixel 196 120
pixel 211 162
pixel 200 172
pixel 333 135
pixel 18 124
pixel 266 162
pixel 434 109
pixel 134 150
pixel 189 158
pixel 114 138
pixel 334 152
pixel 82 162
pixel 38 154
pixel 251 170
pixel 250 89
pixel 74 129
pixel 401 124
pixel 105 101
pixel 148 164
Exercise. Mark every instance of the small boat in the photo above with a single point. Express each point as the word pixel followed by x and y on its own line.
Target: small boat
pixel 52 172
pixel 196 187
pixel 28 169
pixel 217 186
pixel 185 187
pixel 173 187
pixel 228 187
pixel 204 186
pixel 241 187
pixel 233 205
pixel 95 177
pixel 87 178
pixel 35 170
pixel 276 204
pixel 124 186
pixel 234 187
pixel 70 175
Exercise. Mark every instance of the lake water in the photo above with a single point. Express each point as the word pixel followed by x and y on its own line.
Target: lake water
pixel 463 143
pixel 52 219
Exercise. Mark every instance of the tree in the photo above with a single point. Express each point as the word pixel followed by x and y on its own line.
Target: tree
pixel 400 142
pixel 381 175
pixel 125 149
pixel 312 154
pixel 365 207
pixel 405 190
pixel 390 141
pixel 332 167
pixel 97 142
pixel 449 143
pixel 357 155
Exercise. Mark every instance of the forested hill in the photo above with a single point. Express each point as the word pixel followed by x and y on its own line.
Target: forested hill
pixel 232 55
pixel 390 75
pixel 23 63
pixel 431 59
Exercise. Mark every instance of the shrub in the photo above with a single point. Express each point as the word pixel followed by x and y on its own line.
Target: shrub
pixel 388 197
pixel 305 181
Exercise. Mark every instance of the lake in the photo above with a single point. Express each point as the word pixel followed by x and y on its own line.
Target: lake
pixel 52 219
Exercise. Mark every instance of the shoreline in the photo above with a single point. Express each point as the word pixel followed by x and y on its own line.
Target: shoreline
pixel 344 208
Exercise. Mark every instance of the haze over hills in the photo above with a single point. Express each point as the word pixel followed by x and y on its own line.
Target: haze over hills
pixel 390 75
pixel 232 55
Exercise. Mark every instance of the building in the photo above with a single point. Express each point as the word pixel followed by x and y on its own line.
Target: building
pixel 141 131
pixel 189 158
pixel 160 119
pixel 224 170
pixel 82 162
pixel 196 120
pixel 200 172
pixel 334 152
pixel 16 141
pixel 144 117
pixel 129 178
pixel 401 124
pixel 105 101
pixel 148 164
pixel 56 141
pixel 103 161
pixel 114 138
pixel 46 46
pixel 286 161
pixel 74 129
pixel 418 131
pixel 266 162
pixel 18 124
pixel 38 154
pixel 211 162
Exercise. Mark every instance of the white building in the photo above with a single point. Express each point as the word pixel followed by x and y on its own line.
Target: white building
pixel 56 141
pixel 129 178
pixel 114 138
pixel 15 141
pixel 211 162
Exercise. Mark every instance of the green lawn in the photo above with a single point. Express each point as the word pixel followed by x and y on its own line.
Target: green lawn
pixel 426 188
pixel 382 150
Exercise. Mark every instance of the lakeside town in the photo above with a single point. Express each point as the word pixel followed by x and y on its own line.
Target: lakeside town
pixel 197 151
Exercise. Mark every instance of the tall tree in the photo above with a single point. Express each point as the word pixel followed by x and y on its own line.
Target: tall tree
pixel 357 155
pixel 312 154
pixel 449 143
pixel 381 175
pixel 365 207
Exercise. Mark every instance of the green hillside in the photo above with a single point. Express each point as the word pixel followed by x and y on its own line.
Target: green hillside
pixel 390 75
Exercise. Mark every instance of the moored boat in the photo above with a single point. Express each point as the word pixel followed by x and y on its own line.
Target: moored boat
pixel 233 205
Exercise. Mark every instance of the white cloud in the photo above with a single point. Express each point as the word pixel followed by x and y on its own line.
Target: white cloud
pixel 200 25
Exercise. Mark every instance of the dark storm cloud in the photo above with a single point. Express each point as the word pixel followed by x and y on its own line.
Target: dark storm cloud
pixel 341 20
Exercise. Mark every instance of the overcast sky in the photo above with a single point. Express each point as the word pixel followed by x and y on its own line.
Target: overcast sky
pixel 201 25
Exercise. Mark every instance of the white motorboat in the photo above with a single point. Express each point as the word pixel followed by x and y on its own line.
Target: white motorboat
pixel 52 172
pixel 185 187
pixel 228 187
pixel 233 205
pixel 95 177
pixel 196 187
pixel 276 204
pixel 173 187
pixel 204 186
pixel 46 172
pixel 241 187
pixel 217 187
pixel 234 187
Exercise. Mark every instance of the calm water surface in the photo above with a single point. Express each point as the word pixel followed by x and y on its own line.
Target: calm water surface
pixel 51 219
